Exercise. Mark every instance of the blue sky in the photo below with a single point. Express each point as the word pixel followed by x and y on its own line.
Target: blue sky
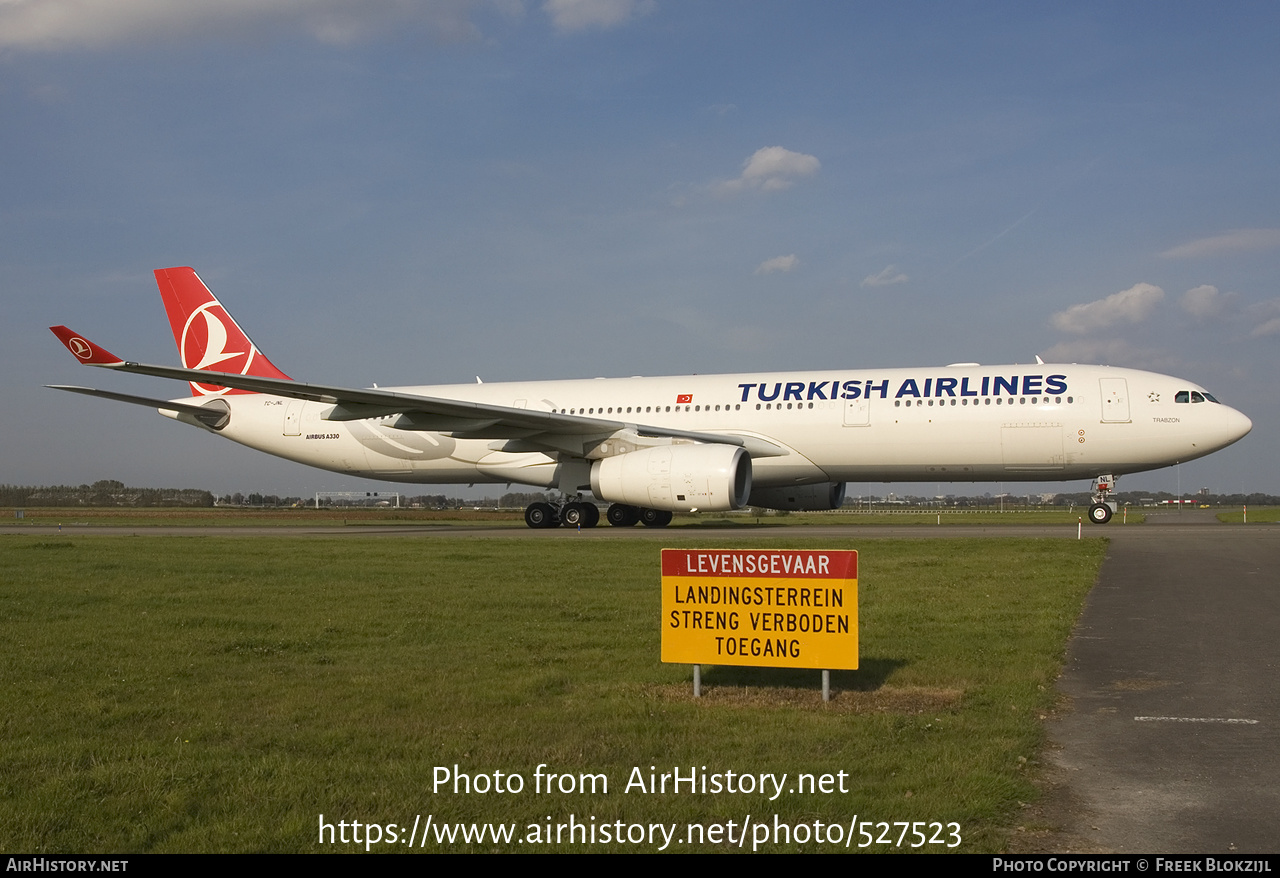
pixel 419 192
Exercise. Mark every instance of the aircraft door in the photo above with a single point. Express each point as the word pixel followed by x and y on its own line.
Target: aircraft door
pixel 293 417
pixel 857 412
pixel 1115 400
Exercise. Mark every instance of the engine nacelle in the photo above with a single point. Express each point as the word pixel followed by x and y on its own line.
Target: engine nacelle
pixel 676 478
pixel 800 498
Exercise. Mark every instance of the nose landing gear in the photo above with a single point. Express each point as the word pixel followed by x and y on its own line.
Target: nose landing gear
pixel 1102 509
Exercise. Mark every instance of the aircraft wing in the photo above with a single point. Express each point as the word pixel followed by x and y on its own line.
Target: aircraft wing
pixel 526 429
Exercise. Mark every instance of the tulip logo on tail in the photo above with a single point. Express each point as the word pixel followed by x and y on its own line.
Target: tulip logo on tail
pixel 80 347
pixel 212 340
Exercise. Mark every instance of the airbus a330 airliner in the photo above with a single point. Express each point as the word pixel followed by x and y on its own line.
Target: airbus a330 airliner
pixel 654 446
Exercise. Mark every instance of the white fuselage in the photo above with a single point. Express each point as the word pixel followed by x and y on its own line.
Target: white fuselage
pixel 955 423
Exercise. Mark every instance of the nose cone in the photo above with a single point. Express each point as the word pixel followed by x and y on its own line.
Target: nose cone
pixel 1234 426
pixel 1242 425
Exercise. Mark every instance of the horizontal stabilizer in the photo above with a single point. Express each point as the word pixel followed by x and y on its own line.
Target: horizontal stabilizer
pixel 211 416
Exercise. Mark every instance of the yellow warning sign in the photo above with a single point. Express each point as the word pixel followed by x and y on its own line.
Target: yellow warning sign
pixel 781 608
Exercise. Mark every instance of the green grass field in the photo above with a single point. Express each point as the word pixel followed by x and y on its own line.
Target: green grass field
pixel 1259 515
pixel 207 694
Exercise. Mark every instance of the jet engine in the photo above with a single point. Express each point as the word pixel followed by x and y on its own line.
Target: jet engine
pixel 676 478
pixel 801 498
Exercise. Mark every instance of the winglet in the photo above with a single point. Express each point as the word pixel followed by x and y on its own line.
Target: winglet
pixel 86 351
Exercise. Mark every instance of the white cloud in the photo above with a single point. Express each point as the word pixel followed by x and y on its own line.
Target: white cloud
pixel 1128 306
pixel 888 277
pixel 1109 352
pixel 1267 317
pixel 1205 301
pixel 1237 241
pixel 770 169
pixel 1271 327
pixel 777 263
pixel 1105 352
pixel 575 15
pixel 73 24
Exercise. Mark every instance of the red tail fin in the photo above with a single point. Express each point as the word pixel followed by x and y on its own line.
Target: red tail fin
pixel 206 335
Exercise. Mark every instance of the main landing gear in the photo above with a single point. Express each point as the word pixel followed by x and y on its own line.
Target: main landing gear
pixel 1101 510
pixel 573 514
pixel 620 515
pixel 579 513
pixel 538 515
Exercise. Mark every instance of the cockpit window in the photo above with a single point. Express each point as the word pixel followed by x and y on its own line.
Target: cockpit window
pixel 1193 396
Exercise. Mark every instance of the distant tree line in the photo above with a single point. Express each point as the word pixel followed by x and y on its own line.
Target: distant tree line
pixel 1078 498
pixel 1147 498
pixel 106 492
pixel 239 499
pixel 510 500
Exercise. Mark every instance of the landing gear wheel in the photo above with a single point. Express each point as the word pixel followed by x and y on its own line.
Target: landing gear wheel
pixel 580 515
pixel 621 515
pixel 1099 513
pixel 572 515
pixel 655 517
pixel 539 515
